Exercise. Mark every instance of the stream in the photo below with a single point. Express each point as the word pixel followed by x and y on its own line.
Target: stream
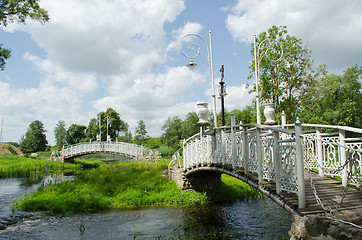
pixel 244 219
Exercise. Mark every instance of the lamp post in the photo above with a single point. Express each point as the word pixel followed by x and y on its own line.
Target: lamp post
pixel 190 47
pixel 270 50
pixel 222 94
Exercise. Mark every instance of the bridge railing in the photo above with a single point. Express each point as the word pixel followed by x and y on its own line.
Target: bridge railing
pixel 127 149
pixel 279 153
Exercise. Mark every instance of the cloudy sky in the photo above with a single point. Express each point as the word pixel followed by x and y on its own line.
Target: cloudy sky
pixel 124 54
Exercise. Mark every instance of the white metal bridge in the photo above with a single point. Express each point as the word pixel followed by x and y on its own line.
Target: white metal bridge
pixel 290 163
pixel 68 153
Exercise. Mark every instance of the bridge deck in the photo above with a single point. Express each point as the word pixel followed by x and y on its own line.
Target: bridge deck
pixel 330 192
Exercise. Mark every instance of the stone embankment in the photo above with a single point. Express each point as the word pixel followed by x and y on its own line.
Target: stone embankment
pixel 315 227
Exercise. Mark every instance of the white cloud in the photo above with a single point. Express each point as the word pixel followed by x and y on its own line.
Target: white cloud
pixel 79 81
pixel 189 27
pixel 153 97
pixel 238 97
pixel 105 37
pixel 330 28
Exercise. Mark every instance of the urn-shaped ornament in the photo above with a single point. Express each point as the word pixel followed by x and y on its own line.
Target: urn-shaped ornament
pixel 202 112
pixel 269 113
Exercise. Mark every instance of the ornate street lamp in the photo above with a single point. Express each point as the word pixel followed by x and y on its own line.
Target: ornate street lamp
pixel 271 50
pixel 193 47
pixel 221 96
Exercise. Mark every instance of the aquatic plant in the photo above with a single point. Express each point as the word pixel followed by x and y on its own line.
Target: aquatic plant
pixel 20 166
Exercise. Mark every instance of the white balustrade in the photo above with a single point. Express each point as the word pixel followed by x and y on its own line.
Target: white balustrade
pixel 126 149
pixel 280 154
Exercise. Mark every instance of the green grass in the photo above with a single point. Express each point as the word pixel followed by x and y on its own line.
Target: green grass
pixel 19 166
pixel 120 186
pixel 232 189
pixel 126 185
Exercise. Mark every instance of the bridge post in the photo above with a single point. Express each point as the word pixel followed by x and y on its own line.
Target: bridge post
pixel 277 161
pixel 319 151
pixel 259 154
pixel 233 143
pixel 300 163
pixel 342 136
pixel 223 146
pixel 245 150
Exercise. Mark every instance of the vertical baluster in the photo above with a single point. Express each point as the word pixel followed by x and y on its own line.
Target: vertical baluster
pixel 233 143
pixel 184 155
pixel 318 141
pixel 259 154
pixel 277 161
pixel 223 146
pixel 245 150
pixel 300 163
pixel 343 157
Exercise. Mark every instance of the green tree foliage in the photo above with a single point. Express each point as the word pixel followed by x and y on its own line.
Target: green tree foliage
pixel 286 73
pixel 116 126
pixel 18 11
pixel 245 116
pixel 60 133
pixel 34 139
pixel 337 100
pixel 140 133
pixel 75 134
pixel 173 132
pixel 189 127
pixel 92 129
pixel 5 54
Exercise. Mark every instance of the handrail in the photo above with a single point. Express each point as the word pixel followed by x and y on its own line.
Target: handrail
pixel 273 152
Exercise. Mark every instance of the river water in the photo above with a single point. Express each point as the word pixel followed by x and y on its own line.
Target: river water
pixel 247 219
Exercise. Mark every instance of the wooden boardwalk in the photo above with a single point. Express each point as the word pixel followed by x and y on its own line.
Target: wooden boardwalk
pixel 330 192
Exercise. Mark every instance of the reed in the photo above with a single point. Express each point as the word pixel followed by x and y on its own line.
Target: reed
pixel 19 166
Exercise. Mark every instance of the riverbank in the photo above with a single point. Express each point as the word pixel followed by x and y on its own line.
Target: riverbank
pixel 21 166
pixel 126 185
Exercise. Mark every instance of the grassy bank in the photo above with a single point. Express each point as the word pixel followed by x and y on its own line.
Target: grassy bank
pixel 119 186
pixel 122 186
pixel 19 166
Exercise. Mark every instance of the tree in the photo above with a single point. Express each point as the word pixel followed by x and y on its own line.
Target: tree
pixel 172 132
pixel 19 11
pixel 115 125
pixel 75 134
pixel 189 127
pixel 286 73
pixel 92 130
pixel 34 139
pixel 60 133
pixel 140 133
pixel 337 100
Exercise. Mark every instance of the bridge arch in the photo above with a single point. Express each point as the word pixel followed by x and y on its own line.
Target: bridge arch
pixel 68 153
pixel 282 162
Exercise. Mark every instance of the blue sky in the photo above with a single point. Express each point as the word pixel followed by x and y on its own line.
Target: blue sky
pixel 124 54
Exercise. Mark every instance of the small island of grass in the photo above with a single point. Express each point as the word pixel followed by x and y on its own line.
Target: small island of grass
pixel 126 185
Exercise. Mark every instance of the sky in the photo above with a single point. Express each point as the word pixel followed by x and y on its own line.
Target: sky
pixel 125 54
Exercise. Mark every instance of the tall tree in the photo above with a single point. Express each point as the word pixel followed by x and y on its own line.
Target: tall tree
pixel 18 11
pixel 34 139
pixel 116 125
pixel 172 132
pixel 337 100
pixel 75 134
pixel 60 133
pixel 140 132
pixel 189 127
pixel 286 72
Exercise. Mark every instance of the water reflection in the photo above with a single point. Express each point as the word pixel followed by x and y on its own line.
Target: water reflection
pixel 249 219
